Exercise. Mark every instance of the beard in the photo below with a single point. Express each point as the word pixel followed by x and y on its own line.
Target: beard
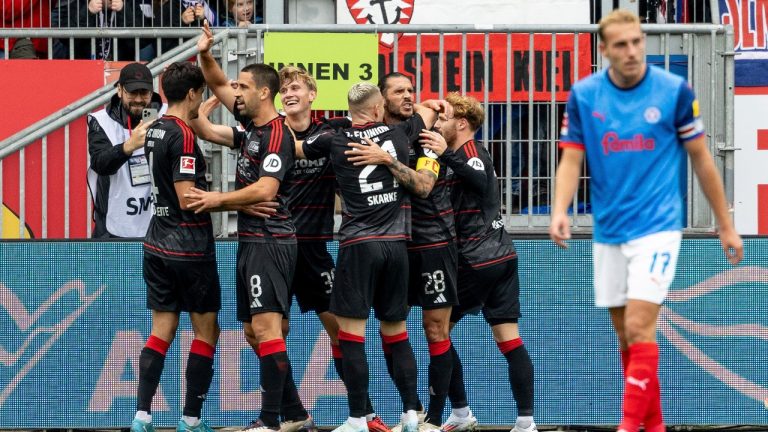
pixel 395 112
pixel 134 110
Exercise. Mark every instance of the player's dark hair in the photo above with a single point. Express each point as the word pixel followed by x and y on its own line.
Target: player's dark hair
pixel 264 76
pixel 179 78
pixel 384 81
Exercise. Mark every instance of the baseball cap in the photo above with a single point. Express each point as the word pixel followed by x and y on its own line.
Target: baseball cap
pixel 135 76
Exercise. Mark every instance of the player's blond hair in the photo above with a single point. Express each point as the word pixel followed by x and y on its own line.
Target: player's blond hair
pixel 468 108
pixel 292 73
pixel 617 16
pixel 360 95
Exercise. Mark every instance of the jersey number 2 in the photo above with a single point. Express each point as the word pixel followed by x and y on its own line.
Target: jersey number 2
pixel 365 187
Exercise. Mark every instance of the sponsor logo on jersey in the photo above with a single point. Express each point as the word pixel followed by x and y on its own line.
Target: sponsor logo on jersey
pixel 476 164
pixel 613 144
pixel 187 165
pixel 272 163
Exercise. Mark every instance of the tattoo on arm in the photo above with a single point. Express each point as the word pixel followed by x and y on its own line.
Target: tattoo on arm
pixel 417 182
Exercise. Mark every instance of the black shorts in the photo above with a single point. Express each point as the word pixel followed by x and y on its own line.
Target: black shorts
pixel 313 278
pixel 432 276
pixel 495 290
pixel 176 285
pixel 372 274
pixel 264 275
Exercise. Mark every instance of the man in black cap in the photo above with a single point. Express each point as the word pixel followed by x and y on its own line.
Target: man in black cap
pixel 119 174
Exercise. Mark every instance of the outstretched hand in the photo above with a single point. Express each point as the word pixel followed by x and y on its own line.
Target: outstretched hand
pixel 205 42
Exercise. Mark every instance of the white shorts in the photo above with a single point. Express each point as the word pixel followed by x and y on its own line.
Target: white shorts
pixel 640 269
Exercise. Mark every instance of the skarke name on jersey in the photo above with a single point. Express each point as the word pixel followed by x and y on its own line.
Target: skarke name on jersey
pixel 382 198
pixel 612 143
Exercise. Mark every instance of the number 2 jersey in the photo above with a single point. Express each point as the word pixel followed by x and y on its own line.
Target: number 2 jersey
pixel 374 204
pixel 173 155
pixel 480 233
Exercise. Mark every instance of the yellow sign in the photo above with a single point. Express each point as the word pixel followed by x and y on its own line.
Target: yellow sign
pixel 336 60
pixel 10 225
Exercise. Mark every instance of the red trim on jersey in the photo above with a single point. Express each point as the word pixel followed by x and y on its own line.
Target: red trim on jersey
pixel 494 261
pixel 469 149
pixel 427 246
pixel 439 348
pixel 194 224
pixel 310 238
pixel 336 351
pixel 575 145
pixel 158 345
pixel 355 240
pixel 170 252
pixel 509 345
pixel 189 136
pixel 276 138
pixel 249 234
pixel 468 211
pixel 271 347
pixel 202 348
pixel 434 216
pixel 393 339
pixel 349 337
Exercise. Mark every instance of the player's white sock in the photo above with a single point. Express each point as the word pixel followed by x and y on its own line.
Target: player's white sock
pixel 358 422
pixel 370 417
pixel 461 412
pixel 191 421
pixel 524 422
pixel 144 416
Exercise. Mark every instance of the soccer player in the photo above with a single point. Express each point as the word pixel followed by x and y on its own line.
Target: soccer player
pixel 371 269
pixel 179 252
pixel 635 124
pixel 267 246
pixel 487 276
pixel 433 265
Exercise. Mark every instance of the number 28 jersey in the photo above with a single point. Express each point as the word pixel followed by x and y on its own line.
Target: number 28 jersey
pixel 374 205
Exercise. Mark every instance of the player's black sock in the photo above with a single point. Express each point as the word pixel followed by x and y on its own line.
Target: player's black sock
pixel 440 369
pixel 387 350
pixel 199 375
pixel 151 363
pixel 337 364
pixel 456 391
pixel 520 374
pixel 355 372
pixel 274 366
pixel 291 407
pixel 404 370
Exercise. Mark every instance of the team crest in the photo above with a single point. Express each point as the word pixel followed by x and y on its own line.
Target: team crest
pixel 652 115
pixel 382 12
pixel 253 147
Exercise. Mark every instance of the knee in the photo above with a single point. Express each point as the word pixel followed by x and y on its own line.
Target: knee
pixel 435 330
pixel 250 337
pixel 263 332
pixel 637 330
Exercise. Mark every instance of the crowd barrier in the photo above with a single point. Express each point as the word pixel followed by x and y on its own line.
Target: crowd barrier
pixel 75 320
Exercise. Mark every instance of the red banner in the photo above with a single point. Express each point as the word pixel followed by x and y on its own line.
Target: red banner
pixel 39 88
pixel 523 63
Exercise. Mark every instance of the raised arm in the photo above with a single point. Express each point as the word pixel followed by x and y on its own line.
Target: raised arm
pixel 218 134
pixel 215 77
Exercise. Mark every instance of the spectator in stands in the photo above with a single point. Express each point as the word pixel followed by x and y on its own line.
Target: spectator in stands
pixel 25 14
pixel 173 13
pixel 119 174
pixel 99 14
pixel 240 13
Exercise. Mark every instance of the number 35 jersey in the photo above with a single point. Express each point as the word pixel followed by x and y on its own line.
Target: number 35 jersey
pixel 173 156
pixel 374 206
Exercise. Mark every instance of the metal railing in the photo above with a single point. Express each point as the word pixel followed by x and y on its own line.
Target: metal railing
pixel 520 132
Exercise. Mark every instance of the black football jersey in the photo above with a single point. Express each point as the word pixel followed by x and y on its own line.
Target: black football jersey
pixel 374 204
pixel 432 217
pixel 312 188
pixel 266 150
pixel 480 233
pixel 173 155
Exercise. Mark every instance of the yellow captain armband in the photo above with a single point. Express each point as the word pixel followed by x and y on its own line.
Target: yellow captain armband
pixel 428 164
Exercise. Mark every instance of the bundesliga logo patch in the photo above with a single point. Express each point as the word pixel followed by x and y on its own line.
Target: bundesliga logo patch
pixel 187 165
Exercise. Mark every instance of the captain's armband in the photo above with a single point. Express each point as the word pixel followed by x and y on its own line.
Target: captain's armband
pixel 428 164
